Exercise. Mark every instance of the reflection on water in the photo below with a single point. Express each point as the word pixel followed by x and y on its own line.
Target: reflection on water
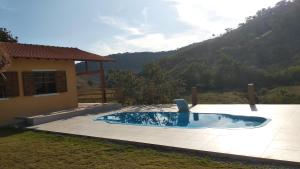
pixel 183 119
pixel 196 116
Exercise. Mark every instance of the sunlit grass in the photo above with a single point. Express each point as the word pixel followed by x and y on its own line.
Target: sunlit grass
pixel 28 149
pixel 281 95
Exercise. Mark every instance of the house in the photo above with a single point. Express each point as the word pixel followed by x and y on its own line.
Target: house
pixel 40 79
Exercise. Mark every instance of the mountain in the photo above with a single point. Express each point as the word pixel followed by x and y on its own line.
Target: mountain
pixel 264 50
pixel 127 61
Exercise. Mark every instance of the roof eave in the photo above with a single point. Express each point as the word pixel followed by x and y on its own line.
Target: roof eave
pixel 83 59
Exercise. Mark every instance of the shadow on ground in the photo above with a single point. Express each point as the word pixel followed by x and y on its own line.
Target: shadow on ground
pixel 9 131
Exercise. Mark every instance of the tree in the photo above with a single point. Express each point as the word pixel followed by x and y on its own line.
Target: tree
pixel 197 74
pixel 151 86
pixel 228 30
pixel 159 88
pixel 129 83
pixel 6 36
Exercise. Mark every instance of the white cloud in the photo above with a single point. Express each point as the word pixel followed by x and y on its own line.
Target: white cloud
pixel 148 42
pixel 144 39
pixel 216 15
pixel 118 23
pixel 203 17
pixel 160 42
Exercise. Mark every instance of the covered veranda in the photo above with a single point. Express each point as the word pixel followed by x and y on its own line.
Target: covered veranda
pixel 100 72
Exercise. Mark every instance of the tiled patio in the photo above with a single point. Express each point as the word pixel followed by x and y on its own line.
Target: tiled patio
pixel 279 139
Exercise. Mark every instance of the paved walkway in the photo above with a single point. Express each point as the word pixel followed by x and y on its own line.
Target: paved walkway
pixel 279 139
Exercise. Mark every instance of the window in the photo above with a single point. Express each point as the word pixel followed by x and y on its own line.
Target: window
pixel 44 82
pixel 9 85
pixel 2 89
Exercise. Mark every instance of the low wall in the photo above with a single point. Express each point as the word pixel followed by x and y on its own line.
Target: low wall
pixel 93 109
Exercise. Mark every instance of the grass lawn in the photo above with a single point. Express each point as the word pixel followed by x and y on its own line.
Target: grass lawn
pixel 282 95
pixel 29 149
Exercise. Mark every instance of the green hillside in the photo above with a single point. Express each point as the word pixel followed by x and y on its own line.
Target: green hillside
pixel 128 61
pixel 264 50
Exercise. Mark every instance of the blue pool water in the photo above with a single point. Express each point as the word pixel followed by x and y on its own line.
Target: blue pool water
pixel 184 120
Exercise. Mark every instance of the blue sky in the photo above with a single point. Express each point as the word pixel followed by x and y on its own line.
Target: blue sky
pixel 113 26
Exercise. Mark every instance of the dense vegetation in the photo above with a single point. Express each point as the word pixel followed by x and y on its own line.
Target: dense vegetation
pixel 264 50
pixel 151 86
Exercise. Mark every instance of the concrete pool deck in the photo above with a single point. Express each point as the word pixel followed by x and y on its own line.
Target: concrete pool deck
pixel 278 140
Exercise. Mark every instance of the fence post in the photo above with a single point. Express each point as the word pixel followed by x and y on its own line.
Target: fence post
pixel 119 95
pixel 251 94
pixel 194 96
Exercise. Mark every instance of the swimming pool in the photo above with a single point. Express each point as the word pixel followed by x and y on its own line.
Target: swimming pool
pixel 184 119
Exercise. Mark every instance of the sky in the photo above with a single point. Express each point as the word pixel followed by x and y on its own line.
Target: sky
pixel 116 26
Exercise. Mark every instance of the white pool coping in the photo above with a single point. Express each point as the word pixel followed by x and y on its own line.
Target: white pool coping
pixel 278 140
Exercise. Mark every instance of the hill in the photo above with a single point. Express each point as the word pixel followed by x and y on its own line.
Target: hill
pixel 265 50
pixel 128 61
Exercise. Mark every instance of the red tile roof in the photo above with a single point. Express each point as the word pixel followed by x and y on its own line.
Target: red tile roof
pixel 17 50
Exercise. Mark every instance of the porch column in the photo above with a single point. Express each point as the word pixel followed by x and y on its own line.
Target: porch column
pixel 102 82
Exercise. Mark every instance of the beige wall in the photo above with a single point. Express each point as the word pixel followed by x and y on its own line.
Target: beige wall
pixel 34 105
